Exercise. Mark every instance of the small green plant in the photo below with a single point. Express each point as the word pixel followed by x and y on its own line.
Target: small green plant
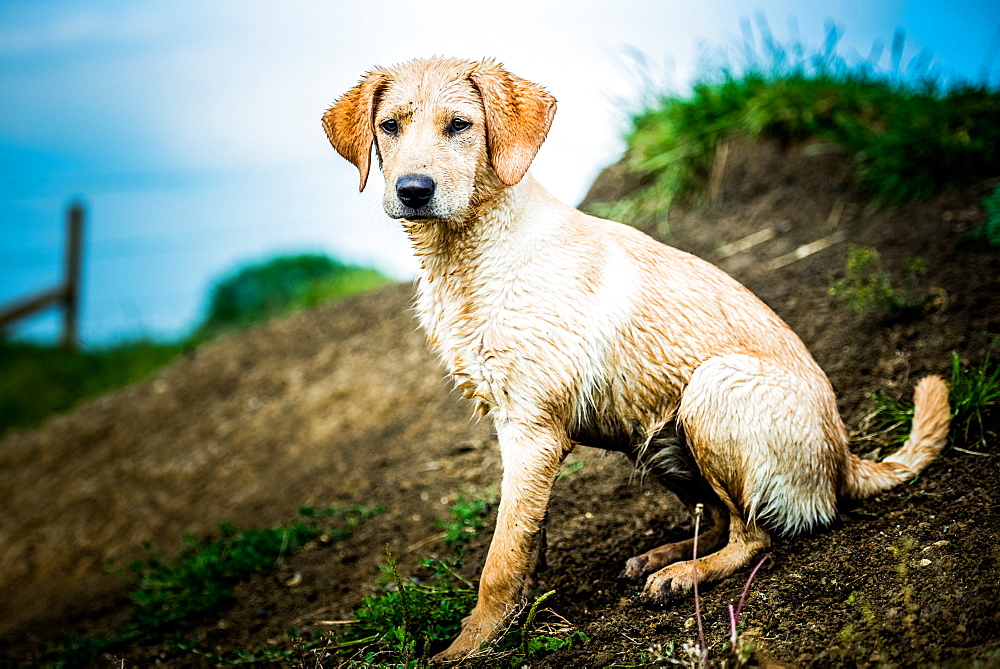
pixel 992 204
pixel 867 286
pixel 467 516
pixel 973 391
pixel 571 468
pixel 401 625
pixel 990 230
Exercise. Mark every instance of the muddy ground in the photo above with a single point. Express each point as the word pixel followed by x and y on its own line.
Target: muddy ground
pixel 344 405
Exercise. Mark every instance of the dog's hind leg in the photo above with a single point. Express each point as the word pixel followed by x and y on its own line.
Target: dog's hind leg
pixel 767 440
pixel 745 541
pixel 708 541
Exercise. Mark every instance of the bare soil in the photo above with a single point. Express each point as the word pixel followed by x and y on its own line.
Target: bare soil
pixel 344 405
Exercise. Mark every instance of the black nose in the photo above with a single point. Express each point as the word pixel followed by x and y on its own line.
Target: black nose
pixel 414 190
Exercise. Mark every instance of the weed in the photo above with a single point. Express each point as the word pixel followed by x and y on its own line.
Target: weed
pixel 400 626
pixel 866 286
pixel 571 468
pixel 973 390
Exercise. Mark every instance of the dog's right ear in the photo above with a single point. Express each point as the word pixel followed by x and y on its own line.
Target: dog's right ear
pixel 350 123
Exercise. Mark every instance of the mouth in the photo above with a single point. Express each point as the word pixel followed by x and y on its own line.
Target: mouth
pixel 411 214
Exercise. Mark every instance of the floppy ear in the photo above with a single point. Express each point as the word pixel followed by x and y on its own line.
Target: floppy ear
pixel 349 123
pixel 518 116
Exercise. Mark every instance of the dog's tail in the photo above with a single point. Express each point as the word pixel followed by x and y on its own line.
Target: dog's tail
pixel 931 419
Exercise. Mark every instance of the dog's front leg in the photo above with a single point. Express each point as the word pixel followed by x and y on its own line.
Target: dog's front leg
pixel 531 455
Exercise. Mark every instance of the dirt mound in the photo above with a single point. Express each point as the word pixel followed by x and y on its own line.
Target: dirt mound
pixel 344 405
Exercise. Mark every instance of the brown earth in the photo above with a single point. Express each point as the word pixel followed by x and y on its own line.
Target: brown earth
pixel 344 405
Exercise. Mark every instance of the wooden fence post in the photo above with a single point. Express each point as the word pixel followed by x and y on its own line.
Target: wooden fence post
pixel 66 294
pixel 71 297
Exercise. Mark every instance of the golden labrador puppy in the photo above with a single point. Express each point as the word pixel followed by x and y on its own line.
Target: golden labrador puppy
pixel 570 329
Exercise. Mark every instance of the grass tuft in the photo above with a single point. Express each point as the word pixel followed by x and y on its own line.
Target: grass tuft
pixel 974 390
pixel 418 615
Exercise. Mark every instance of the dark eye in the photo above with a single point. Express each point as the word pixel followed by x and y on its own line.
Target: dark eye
pixel 458 125
pixel 391 126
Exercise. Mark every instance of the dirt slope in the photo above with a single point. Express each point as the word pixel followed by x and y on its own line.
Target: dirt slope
pixel 344 405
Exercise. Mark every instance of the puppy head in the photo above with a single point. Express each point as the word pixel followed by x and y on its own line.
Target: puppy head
pixel 449 134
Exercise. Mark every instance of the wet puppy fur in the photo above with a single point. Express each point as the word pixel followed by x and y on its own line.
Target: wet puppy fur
pixel 566 329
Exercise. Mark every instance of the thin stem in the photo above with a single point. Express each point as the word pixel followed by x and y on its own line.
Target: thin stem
pixel 698 510
pixel 746 588
pixel 732 626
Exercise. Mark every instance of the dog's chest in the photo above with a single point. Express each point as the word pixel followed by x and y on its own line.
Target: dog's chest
pixel 505 342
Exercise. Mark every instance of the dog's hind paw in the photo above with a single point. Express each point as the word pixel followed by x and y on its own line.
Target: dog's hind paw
pixel 636 568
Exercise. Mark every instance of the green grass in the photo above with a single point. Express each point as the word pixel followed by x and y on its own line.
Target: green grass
pixel 909 135
pixel 170 594
pixel 974 391
pixel 38 381
pixel 466 517
pixel 401 626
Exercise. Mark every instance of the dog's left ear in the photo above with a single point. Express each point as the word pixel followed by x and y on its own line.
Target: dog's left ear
pixel 349 123
pixel 518 116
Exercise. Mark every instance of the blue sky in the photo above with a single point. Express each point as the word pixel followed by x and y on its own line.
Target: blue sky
pixel 191 129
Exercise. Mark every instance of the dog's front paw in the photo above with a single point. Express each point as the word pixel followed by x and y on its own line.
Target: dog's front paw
pixel 474 634
pixel 459 650
pixel 669 583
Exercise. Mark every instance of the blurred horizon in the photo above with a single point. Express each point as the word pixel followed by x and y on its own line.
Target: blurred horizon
pixel 190 131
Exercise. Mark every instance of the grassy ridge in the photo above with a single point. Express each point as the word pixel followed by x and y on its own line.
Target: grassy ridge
pixel 910 136
pixel 264 290
pixel 38 381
